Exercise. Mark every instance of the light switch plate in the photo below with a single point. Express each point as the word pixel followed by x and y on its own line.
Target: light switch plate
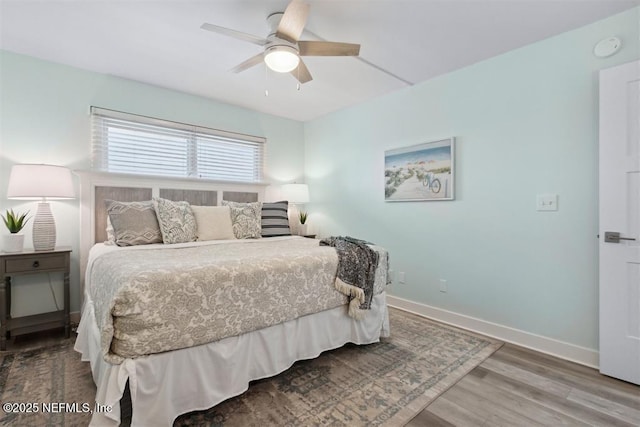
pixel 547 202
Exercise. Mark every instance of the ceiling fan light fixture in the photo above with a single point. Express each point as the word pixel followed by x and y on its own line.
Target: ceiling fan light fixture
pixel 281 59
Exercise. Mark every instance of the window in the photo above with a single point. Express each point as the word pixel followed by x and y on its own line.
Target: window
pixel 128 143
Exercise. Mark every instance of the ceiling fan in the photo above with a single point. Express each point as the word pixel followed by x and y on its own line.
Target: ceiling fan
pixel 282 47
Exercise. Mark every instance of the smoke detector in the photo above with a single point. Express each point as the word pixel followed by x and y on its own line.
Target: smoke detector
pixel 607 47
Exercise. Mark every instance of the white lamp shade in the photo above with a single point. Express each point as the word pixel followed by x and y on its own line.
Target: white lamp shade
pixel 296 193
pixel 35 181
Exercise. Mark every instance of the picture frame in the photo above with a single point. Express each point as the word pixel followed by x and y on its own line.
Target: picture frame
pixel 422 172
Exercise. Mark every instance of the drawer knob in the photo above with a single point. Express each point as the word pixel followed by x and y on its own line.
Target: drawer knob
pixel 36 264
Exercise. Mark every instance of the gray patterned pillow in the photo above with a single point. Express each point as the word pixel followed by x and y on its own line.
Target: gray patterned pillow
pixel 177 221
pixel 246 219
pixel 111 237
pixel 134 223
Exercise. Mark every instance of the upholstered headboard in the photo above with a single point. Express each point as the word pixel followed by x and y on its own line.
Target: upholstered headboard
pixel 133 194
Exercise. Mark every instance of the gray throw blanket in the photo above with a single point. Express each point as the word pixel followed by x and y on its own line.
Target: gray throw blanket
pixel 357 264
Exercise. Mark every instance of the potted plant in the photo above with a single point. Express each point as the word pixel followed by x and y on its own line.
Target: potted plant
pixel 15 222
pixel 303 215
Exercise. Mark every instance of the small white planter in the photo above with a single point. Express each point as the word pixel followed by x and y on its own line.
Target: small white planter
pixel 13 242
pixel 302 229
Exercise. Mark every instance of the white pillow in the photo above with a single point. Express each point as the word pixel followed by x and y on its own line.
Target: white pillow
pixel 214 222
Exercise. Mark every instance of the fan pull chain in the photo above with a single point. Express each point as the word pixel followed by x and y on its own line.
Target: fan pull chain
pixel 298 83
pixel 266 81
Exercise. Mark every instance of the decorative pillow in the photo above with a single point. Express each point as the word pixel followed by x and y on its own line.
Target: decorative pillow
pixel 275 219
pixel 111 237
pixel 134 223
pixel 246 219
pixel 177 221
pixel 213 222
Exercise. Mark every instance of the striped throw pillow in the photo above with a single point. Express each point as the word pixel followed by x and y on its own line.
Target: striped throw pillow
pixel 275 221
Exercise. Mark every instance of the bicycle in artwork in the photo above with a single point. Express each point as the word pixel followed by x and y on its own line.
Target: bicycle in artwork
pixel 431 183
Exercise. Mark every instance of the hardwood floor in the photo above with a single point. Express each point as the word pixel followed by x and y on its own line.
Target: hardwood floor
pixel 520 387
pixel 515 387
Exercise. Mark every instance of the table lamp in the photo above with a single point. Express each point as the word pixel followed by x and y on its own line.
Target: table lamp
pixel 296 194
pixel 41 182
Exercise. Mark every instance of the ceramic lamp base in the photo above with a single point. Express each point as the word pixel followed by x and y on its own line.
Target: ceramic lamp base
pixel 44 229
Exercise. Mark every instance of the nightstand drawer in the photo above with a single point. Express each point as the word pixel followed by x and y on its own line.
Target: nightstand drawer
pixel 35 263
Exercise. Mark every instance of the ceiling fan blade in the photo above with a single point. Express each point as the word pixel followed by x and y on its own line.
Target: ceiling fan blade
pixel 235 34
pixel 301 73
pixel 293 21
pixel 254 60
pixel 322 48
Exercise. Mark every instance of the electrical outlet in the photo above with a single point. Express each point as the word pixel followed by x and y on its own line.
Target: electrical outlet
pixel 443 285
pixel 401 279
pixel 547 202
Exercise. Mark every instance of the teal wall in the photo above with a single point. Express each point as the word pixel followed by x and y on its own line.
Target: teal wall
pixel 526 123
pixel 44 118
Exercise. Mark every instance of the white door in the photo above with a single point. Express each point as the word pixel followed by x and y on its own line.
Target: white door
pixel 620 213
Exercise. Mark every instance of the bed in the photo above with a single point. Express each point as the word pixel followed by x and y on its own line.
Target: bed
pixel 185 347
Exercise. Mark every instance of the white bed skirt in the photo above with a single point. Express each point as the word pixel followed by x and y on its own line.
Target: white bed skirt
pixel 166 385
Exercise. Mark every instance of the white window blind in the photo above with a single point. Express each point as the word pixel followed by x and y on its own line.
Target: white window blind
pixel 128 143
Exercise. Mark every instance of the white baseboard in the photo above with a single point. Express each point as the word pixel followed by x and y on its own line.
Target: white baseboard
pixel 563 350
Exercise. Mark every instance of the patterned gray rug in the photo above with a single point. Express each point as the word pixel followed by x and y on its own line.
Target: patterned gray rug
pixel 383 384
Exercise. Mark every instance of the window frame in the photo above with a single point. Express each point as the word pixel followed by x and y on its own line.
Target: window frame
pixel 194 135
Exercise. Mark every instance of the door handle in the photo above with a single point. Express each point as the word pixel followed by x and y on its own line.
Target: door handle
pixel 614 237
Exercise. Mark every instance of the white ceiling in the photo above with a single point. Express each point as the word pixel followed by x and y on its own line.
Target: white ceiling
pixel 161 43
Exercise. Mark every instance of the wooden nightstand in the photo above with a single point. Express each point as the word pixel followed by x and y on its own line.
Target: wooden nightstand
pixel 31 262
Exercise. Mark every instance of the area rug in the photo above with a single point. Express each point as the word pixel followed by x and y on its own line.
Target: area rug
pixel 382 384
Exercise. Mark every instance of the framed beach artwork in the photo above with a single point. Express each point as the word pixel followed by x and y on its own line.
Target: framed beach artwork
pixel 420 172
